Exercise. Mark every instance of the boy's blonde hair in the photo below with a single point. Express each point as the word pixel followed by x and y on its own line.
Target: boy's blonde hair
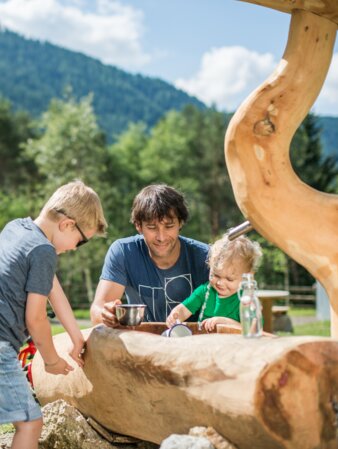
pixel 225 251
pixel 78 202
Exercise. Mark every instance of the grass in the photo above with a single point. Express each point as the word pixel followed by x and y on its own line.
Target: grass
pixel 304 311
pixel 320 328
pixel 316 328
pixel 6 428
pixel 58 329
pixel 82 314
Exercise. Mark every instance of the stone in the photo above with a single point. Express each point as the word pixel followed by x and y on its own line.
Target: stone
pixel 66 428
pixel 6 440
pixel 214 437
pixel 175 441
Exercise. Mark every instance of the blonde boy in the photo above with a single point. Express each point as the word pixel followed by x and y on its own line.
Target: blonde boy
pixel 28 256
pixel 218 298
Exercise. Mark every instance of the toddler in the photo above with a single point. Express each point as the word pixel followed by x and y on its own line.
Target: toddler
pixel 217 300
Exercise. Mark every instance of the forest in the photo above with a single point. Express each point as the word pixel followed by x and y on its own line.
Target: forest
pixel 184 149
pixel 33 72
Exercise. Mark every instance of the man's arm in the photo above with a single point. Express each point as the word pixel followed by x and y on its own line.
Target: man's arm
pixel 108 293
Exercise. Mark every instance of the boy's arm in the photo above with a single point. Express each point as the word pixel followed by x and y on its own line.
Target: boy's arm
pixel 180 312
pixel 64 312
pixel 39 329
pixel 108 293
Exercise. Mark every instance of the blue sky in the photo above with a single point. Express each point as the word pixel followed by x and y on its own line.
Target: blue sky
pixel 217 50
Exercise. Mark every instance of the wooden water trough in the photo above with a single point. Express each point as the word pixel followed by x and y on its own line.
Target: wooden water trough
pixel 265 393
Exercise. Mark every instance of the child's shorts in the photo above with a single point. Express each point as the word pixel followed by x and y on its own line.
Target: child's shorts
pixel 16 400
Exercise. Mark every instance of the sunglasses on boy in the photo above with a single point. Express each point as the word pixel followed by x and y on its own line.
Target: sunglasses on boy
pixel 84 238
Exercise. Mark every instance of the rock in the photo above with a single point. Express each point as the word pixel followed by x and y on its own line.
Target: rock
pixel 215 438
pixel 282 322
pixel 175 441
pixel 65 428
pixel 6 440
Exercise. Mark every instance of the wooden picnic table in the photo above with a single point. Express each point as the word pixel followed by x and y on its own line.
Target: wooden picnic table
pixel 267 298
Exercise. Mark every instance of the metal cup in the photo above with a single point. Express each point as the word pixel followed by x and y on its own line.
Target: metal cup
pixel 177 330
pixel 130 314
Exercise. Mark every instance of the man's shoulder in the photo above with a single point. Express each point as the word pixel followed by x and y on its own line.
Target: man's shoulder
pixel 133 241
pixel 194 245
pixel 128 245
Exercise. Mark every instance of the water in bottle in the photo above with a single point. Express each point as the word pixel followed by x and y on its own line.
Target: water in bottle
pixel 250 307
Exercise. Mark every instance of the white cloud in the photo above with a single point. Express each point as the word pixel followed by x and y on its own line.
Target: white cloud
pixel 109 31
pixel 327 102
pixel 227 76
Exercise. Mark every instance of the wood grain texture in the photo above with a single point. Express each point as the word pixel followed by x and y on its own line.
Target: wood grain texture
pixel 324 8
pixel 290 214
pixel 267 393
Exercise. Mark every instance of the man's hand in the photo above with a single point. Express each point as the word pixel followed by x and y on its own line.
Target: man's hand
pixel 109 314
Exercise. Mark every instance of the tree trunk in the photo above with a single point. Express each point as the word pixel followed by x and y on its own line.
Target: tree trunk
pixel 89 285
pixel 267 393
pixel 292 215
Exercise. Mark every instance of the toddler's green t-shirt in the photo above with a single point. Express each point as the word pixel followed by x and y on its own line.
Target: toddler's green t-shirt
pixel 216 306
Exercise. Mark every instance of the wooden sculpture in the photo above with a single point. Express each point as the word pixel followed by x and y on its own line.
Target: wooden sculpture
pixel 267 393
pixel 300 220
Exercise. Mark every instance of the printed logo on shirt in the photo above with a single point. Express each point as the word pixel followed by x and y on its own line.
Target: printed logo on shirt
pixel 175 290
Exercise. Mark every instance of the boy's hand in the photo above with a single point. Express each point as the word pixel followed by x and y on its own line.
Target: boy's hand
pixel 109 313
pixel 58 367
pixel 77 352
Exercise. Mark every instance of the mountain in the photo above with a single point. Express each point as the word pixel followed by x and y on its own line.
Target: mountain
pixel 33 72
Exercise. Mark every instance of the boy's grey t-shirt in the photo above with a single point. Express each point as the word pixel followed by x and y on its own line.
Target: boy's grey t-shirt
pixel 27 265
pixel 128 263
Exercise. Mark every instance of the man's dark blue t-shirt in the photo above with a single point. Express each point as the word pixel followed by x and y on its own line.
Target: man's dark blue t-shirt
pixel 128 263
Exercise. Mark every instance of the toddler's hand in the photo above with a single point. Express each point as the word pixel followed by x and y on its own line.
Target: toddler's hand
pixel 210 323
pixel 172 318
pixel 59 367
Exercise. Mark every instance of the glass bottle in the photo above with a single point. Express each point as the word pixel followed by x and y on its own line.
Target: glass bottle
pixel 250 307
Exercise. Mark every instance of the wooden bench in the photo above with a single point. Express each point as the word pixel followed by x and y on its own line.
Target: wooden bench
pixel 281 320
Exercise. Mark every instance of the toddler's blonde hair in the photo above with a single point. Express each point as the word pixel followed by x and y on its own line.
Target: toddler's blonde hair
pixel 225 251
pixel 78 202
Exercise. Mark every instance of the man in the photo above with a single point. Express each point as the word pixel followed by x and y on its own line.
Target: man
pixel 157 267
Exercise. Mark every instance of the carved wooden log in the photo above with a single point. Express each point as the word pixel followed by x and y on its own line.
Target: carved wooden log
pixel 324 8
pixel 298 219
pixel 267 393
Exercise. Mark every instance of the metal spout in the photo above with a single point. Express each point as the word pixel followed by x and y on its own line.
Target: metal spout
pixel 239 230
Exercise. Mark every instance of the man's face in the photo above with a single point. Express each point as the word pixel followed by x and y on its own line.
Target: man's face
pixel 161 238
